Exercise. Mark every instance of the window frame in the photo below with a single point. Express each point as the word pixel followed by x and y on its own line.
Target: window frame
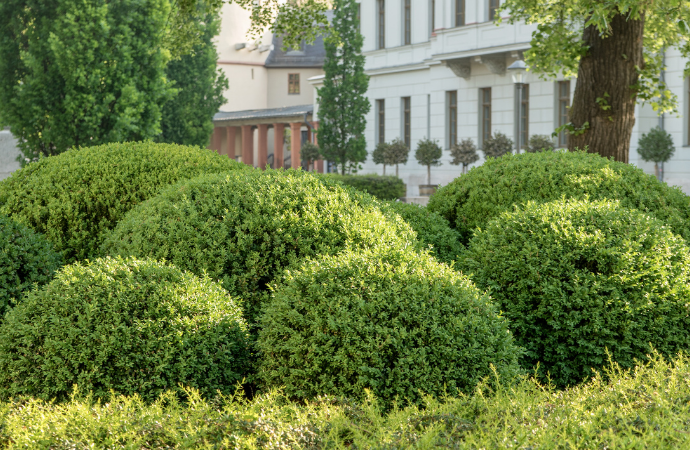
pixel 493 7
pixel 294 82
pixel 381 121
pixel 432 16
pixel 407 120
pixel 563 105
pixel 407 22
pixel 381 24
pixel 452 118
pixel 485 111
pixel 459 13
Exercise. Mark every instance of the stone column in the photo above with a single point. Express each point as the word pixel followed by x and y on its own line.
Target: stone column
pixel 296 144
pixel 230 133
pixel 263 146
pixel 247 145
pixel 278 142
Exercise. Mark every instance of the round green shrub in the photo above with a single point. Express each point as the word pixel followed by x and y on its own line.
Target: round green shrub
pixel 133 327
pixel 26 258
pixel 244 228
pixel 392 321
pixel 486 191
pixel 577 278
pixel 75 197
pixel 432 230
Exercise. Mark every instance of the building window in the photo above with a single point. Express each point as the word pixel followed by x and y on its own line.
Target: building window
pixel 459 13
pixel 408 22
pixel 406 120
pixel 485 117
pixel 493 8
pixel 381 23
pixel 293 84
pixel 381 120
pixel 432 16
pixel 563 107
pixel 524 117
pixel 452 100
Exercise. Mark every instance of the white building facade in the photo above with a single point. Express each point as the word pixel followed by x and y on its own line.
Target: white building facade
pixel 438 69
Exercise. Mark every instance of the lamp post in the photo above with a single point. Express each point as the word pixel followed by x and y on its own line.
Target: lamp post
pixel 517 71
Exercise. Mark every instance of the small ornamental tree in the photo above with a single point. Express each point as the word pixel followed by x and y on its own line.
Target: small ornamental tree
pixel 539 143
pixel 310 153
pixel 497 146
pixel 398 153
pixel 657 147
pixel 464 153
pixel 428 154
pixel 343 104
pixel 380 154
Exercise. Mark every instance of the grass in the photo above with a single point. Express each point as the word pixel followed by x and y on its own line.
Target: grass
pixel 648 407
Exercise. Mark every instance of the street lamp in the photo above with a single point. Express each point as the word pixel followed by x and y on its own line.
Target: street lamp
pixel 517 71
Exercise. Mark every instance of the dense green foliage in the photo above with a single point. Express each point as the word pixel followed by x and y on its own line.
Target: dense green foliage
pixel 310 153
pixel 393 321
pixel 428 154
pixel 539 143
pixel 387 187
pixel 432 230
pixel 81 73
pixel 343 103
pixel 380 155
pixel 498 145
pixel 26 257
pixel 187 118
pixel 244 228
pixel 646 408
pixel 474 199
pixel 656 146
pixel 76 197
pixel 465 153
pixel 123 325
pixel 579 279
pixel 397 153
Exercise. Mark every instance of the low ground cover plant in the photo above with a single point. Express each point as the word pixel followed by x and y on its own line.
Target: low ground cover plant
pixel 76 197
pixel 644 408
pixel 579 279
pixel 392 321
pixel 500 184
pixel 26 258
pixel 432 230
pixel 245 228
pixel 123 325
pixel 386 187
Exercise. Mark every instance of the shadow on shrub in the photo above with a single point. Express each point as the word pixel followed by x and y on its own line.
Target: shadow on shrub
pixel 575 278
pixel 133 327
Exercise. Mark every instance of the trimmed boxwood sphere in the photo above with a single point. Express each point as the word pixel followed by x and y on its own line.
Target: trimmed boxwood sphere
pixel 244 228
pixel 130 326
pixel 577 278
pixel 475 198
pixel 26 258
pixel 432 230
pixel 75 197
pixel 392 321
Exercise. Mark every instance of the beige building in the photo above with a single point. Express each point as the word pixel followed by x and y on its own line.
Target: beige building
pixel 269 99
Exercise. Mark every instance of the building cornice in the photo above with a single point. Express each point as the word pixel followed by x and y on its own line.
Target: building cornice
pixel 519 46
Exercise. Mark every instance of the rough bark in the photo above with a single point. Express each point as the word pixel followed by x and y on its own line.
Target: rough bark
pixel 609 67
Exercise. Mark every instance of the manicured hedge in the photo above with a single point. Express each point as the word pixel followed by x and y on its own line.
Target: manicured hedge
pixel 472 200
pixel 133 327
pixel 26 258
pixel 578 278
pixel 75 197
pixel 392 321
pixel 386 187
pixel 244 228
pixel 432 230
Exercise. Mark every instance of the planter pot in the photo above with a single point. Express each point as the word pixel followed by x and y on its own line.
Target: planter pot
pixel 427 190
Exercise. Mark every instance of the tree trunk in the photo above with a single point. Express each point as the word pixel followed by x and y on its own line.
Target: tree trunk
pixel 384 170
pixel 396 170
pixel 604 95
pixel 428 175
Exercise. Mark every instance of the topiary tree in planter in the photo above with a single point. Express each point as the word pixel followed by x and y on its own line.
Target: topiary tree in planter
pixel 310 153
pixel 428 154
pixel 497 146
pixel 657 147
pixel 389 320
pixel 398 153
pixel 124 325
pixel 380 155
pixel 578 279
pixel 539 143
pixel 465 153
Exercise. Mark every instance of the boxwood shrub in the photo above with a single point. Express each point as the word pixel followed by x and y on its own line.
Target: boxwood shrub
pixel 123 325
pixel 75 197
pixel 26 258
pixel 577 278
pixel 392 321
pixel 385 187
pixel 432 230
pixel 475 198
pixel 244 228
